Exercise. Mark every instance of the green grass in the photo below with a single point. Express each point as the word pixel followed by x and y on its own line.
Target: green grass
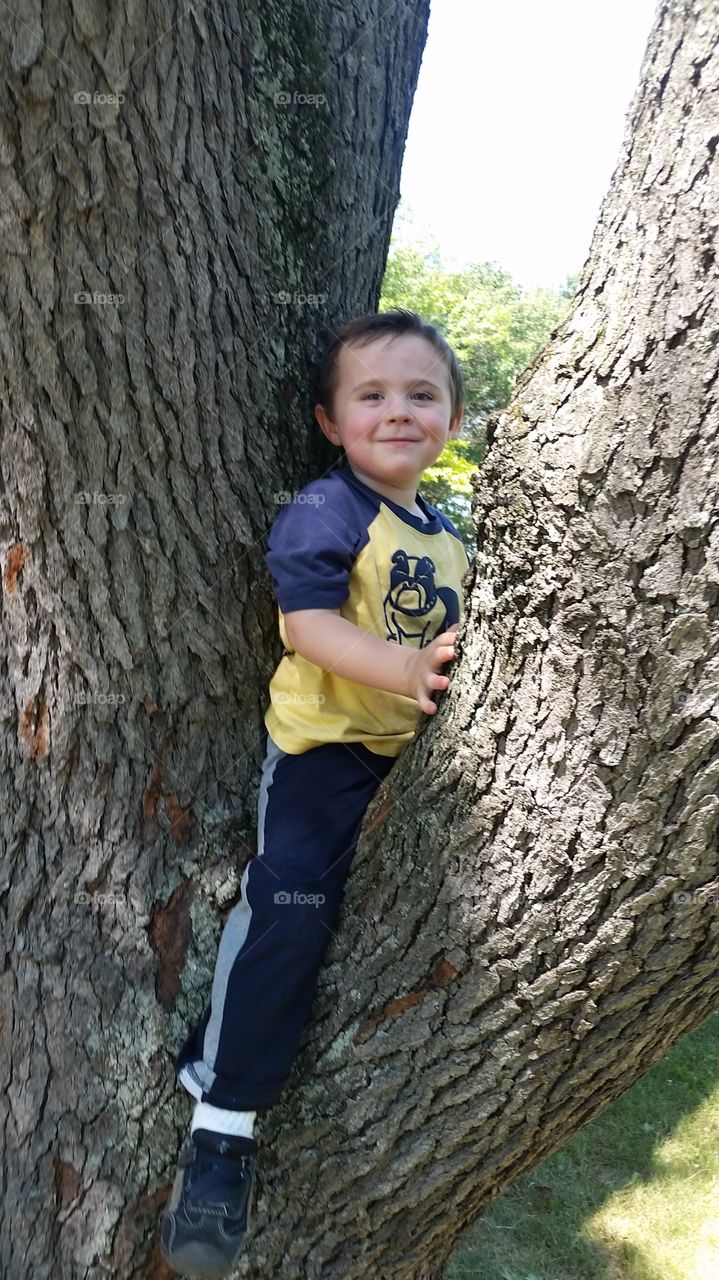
pixel 633 1196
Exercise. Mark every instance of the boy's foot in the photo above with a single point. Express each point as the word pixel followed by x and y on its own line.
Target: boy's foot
pixel 206 1216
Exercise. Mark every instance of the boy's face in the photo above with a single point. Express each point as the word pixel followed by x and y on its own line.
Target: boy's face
pixel 392 411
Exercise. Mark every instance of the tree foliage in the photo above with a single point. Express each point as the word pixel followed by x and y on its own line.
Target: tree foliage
pixel 496 328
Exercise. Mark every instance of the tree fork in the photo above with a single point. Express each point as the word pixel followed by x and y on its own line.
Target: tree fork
pixel 531 920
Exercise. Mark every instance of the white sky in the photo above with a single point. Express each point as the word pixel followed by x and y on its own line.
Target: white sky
pixel 517 126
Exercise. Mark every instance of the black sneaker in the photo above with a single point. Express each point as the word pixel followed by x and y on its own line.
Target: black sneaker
pixel 206 1216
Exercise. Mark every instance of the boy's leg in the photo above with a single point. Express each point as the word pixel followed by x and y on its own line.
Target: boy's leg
pixel 309 815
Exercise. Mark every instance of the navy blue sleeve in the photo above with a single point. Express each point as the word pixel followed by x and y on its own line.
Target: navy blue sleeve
pixel 312 547
pixel 448 525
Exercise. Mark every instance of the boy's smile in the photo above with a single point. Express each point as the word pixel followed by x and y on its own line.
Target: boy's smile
pixel 392 413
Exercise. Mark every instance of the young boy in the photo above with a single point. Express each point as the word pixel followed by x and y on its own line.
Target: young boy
pixel 367 577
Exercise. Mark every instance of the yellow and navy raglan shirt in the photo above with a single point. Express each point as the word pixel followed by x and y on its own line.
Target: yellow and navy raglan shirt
pixel 340 544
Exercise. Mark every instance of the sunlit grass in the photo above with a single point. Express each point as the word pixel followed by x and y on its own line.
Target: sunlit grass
pixel 633 1196
pixel 672 1219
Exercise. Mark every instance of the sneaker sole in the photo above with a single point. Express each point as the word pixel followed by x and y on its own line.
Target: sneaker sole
pixel 197 1260
pixel 201 1260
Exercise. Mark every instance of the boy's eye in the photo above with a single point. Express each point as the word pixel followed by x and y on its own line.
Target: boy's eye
pixel 368 394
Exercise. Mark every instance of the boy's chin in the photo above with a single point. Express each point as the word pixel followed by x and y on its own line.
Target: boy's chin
pixel 398 470
pixel 405 469
pixel 399 474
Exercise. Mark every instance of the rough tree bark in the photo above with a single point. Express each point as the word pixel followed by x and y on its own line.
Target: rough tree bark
pixel 187 192
pixel 531 922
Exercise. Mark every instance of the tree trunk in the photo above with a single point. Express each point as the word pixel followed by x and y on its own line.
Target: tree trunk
pixel 186 194
pixel 531 920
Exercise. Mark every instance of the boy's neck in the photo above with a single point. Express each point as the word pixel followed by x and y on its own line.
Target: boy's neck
pixel 404 495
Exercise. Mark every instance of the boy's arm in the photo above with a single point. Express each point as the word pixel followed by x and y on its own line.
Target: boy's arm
pixel 332 642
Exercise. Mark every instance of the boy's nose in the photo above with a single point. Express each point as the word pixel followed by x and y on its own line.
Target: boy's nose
pixel 399 410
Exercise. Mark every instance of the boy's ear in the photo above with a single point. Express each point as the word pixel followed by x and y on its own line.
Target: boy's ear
pixel 328 427
pixel 455 423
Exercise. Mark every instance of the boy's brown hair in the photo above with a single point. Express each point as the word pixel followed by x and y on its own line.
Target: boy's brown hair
pixel 364 329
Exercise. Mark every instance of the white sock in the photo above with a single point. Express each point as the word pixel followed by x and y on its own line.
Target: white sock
pixel 239 1123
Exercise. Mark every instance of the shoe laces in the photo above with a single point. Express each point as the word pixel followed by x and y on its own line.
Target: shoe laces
pixel 219 1174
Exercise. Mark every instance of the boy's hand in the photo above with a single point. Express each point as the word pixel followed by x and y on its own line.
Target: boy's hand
pixel 424 669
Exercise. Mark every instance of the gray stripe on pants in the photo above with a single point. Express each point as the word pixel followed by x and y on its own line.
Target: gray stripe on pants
pixel 236 928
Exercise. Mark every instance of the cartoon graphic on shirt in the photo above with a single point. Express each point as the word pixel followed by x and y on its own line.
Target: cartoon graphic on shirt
pixel 414 595
pixel 389 573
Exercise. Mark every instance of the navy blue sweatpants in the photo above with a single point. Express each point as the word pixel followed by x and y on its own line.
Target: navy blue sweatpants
pixel 310 811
